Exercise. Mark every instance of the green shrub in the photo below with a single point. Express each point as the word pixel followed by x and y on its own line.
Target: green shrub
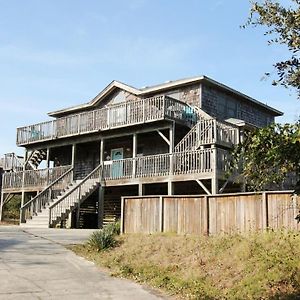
pixel 105 237
pixel 114 228
pixel 11 210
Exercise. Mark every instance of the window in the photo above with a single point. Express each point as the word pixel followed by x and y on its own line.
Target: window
pixel 231 109
pixel 227 108
pixel 118 97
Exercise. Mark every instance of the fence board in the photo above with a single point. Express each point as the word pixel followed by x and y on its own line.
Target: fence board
pixel 282 210
pixel 141 215
pixel 243 212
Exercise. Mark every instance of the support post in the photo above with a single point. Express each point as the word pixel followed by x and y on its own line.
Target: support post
pixel 134 153
pixel 170 188
pixel 48 158
pixel 141 189
pixel 73 155
pixel 101 151
pixel 171 146
pixel 23 181
pixel 100 206
pixel 214 164
pixel 1 205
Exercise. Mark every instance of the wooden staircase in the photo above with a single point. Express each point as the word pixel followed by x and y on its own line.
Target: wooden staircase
pixel 54 204
pixel 35 158
pixel 208 131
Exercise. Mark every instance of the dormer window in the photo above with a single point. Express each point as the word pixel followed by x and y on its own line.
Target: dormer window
pixel 118 97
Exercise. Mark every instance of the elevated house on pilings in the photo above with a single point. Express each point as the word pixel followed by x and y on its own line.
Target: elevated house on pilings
pixel 10 163
pixel 172 138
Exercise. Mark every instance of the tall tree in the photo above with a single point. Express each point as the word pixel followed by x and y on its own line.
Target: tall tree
pixel 268 155
pixel 283 27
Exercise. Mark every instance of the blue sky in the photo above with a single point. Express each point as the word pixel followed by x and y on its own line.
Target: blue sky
pixel 59 53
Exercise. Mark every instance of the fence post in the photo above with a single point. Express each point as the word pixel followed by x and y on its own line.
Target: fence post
pixel 265 210
pixel 161 214
pixel 122 215
pixel 206 199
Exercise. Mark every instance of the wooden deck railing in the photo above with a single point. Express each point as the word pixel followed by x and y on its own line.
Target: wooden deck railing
pixel 12 162
pixel 36 204
pixel 178 163
pixel 118 115
pixel 74 196
pixel 209 131
pixel 33 179
pixel 197 161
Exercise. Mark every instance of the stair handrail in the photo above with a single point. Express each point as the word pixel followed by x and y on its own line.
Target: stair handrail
pixel 200 113
pixel 231 132
pixel 34 204
pixel 21 162
pixel 183 140
pixel 73 190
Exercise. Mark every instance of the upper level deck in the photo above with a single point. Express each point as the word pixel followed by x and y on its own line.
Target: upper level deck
pixel 113 116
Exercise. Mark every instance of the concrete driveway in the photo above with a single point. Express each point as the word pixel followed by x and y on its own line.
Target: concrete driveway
pixel 35 265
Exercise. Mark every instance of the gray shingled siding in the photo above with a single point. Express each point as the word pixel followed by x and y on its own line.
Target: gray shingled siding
pixel 224 106
pixel 189 94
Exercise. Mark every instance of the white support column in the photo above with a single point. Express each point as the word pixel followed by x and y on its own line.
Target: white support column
pixel 171 152
pixel 134 153
pixel 214 163
pixel 101 150
pixel 171 137
pixel 73 155
pixel 141 189
pixel 170 188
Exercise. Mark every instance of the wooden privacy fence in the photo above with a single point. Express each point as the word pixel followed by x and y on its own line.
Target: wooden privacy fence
pixel 206 215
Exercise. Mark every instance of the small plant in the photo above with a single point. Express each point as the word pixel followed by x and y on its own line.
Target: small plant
pixel 114 228
pixel 105 237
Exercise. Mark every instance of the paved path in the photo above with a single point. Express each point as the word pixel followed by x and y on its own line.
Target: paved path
pixel 34 265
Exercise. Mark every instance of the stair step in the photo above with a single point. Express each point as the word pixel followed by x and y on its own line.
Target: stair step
pixel 41 219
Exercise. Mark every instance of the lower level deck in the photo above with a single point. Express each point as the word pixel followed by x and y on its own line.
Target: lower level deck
pixel 202 164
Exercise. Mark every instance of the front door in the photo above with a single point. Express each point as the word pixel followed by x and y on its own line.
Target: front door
pixel 117 165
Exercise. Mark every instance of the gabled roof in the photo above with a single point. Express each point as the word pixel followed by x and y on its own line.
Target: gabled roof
pixel 158 89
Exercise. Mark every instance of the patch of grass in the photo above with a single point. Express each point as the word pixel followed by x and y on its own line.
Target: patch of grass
pixel 257 266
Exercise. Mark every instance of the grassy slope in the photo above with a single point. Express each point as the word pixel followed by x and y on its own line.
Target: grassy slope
pixel 258 266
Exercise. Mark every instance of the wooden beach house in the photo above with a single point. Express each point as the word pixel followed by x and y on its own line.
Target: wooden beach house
pixel 171 138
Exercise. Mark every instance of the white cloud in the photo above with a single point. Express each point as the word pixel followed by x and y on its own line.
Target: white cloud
pixel 46 57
